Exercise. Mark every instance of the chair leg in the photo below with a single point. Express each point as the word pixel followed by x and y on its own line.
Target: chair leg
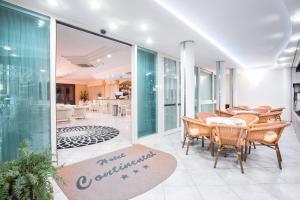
pixel 184 141
pixel 245 152
pixel 217 156
pixel 241 160
pixel 202 141
pixel 188 146
pixel 278 156
pixel 249 148
pixel 212 148
pixel 254 146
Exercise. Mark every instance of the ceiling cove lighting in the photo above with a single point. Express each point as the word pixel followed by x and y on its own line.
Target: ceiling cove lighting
pixel 52 3
pixel 95 5
pixel 296 18
pixel 290 50
pixel 284 58
pixel 199 31
pixel 295 37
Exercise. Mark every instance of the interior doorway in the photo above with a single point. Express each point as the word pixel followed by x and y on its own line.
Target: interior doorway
pixel 93 94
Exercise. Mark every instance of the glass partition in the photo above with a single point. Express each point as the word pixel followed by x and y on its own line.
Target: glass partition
pixel 146 88
pixel 170 94
pixel 205 91
pixel 24 80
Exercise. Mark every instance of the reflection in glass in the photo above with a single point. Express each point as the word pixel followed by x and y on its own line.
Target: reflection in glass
pixel 170 94
pixel 146 88
pixel 24 80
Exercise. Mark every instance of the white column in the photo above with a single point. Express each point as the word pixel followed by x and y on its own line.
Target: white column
pixel 53 88
pixel 187 57
pixel 233 86
pixel 134 119
pixel 221 85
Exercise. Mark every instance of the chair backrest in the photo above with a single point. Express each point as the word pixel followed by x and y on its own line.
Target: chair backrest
pixel 242 107
pixel 229 134
pixel 248 118
pixel 202 116
pixel 224 113
pixel 277 109
pixel 257 132
pixel 265 107
pixel 270 116
pixel 191 124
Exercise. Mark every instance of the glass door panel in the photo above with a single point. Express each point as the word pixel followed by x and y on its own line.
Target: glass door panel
pixel 206 87
pixel 24 80
pixel 170 94
pixel 146 88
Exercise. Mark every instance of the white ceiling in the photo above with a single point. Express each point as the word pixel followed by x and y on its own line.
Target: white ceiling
pixel 248 33
pixel 78 47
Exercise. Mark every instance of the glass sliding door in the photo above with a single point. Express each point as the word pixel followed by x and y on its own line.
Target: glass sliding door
pixel 24 80
pixel 179 94
pixel 206 85
pixel 146 88
pixel 170 94
pixel 197 109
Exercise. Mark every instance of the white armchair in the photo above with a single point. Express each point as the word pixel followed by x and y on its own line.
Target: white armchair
pixel 79 112
pixel 63 113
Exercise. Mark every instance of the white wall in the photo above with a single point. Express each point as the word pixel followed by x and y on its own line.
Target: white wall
pixel 266 87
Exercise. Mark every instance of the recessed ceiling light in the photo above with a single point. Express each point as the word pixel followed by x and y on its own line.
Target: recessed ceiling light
pixel 108 56
pixel 98 60
pixel 95 5
pixel 284 58
pixel 41 23
pixel 296 18
pixel 295 37
pixel 112 26
pixel 7 48
pixel 144 27
pixel 149 40
pixel 52 3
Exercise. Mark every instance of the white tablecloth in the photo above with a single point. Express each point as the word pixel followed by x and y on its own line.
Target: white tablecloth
pixel 226 121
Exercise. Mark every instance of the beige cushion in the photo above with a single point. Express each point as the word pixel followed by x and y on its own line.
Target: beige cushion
pixel 270 137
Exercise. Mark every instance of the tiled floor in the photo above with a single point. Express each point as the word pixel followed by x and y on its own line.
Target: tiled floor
pixel 195 177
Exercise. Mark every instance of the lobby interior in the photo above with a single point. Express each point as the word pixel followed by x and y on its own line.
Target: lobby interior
pixel 210 89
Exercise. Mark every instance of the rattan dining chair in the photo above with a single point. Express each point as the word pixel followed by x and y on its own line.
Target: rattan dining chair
pixel 265 107
pixel 267 134
pixel 222 113
pixel 270 117
pixel 250 119
pixel 229 137
pixel 194 129
pixel 202 116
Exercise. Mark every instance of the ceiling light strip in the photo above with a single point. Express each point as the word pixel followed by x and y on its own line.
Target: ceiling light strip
pixel 192 26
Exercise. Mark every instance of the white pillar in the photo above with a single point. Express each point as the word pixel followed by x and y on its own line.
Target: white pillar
pixel 233 86
pixel 134 117
pixel 187 57
pixel 221 85
pixel 160 94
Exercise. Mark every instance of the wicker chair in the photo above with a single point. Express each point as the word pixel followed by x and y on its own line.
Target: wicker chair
pixel 267 134
pixel 202 116
pixel 224 113
pixel 270 117
pixel 229 137
pixel 265 107
pixel 248 118
pixel 195 129
pixel 277 110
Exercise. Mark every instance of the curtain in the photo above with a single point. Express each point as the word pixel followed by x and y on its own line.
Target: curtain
pixel 146 87
pixel 24 80
pixel 170 94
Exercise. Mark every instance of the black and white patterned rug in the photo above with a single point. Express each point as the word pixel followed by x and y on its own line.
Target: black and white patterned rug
pixel 78 136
